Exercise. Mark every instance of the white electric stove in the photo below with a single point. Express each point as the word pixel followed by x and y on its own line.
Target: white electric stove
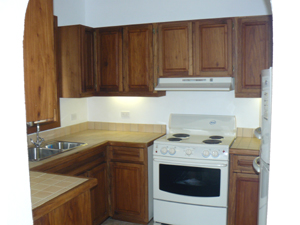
pixel 191 167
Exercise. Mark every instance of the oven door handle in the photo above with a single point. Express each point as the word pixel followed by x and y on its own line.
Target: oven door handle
pixel 192 164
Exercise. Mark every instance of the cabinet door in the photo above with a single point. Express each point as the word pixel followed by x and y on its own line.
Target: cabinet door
pixel 175 49
pixel 128 191
pixel 76 60
pixel 109 59
pixel 99 194
pixel 88 73
pixel 247 195
pixel 39 63
pixel 138 58
pixel 243 191
pixel 213 47
pixel 254 53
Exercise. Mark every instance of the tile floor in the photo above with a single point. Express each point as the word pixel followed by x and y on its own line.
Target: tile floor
pixel 111 221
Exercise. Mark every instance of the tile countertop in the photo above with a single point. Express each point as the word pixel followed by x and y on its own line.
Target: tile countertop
pixel 45 187
pixel 245 145
pixel 94 138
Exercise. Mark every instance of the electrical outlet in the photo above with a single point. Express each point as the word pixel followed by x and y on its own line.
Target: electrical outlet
pixel 125 114
pixel 74 116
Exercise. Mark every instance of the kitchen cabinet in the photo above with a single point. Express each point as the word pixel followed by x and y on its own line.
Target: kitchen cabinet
pixel 243 190
pixel 74 211
pixel 109 60
pixel 76 61
pixel 138 58
pixel 253 36
pixel 175 50
pixel 125 61
pixel 91 164
pixel 213 47
pixel 99 194
pixel 39 62
pixel 129 184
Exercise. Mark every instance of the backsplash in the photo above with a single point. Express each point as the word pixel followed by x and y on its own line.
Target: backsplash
pixel 245 132
pixel 129 127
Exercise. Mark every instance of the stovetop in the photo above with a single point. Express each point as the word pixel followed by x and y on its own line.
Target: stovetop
pixel 197 137
pixel 200 140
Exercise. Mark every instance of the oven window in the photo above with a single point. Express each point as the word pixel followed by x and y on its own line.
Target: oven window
pixel 190 181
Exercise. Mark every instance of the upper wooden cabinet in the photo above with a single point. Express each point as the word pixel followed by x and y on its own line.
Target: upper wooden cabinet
pixel 138 58
pixel 175 53
pixel 254 53
pixel 213 48
pixel 39 62
pixel 76 63
pixel 109 59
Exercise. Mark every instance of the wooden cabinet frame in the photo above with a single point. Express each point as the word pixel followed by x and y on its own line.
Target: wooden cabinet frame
pixel 213 47
pixel 253 37
pixel 243 189
pixel 175 50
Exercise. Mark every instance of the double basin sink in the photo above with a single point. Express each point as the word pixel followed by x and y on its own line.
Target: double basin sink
pixel 51 149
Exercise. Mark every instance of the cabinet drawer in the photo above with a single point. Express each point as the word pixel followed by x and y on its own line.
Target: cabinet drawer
pixel 79 165
pixel 126 154
pixel 242 163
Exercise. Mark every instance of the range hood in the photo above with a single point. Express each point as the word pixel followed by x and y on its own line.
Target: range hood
pixel 195 84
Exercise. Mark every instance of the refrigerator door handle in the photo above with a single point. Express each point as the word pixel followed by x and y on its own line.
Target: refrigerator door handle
pixel 256 164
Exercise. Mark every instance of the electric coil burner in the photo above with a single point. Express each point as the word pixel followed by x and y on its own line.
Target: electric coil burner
pixel 181 135
pixel 212 142
pixel 174 139
pixel 191 170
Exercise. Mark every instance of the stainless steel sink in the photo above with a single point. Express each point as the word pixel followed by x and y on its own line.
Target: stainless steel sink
pixel 63 145
pixel 52 148
pixel 37 154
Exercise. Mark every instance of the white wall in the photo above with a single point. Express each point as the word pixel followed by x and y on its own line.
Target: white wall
pixel 15 201
pixel 69 12
pixel 157 110
pixel 99 13
pixel 73 111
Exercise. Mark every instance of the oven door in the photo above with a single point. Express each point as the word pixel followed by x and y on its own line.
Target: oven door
pixel 200 182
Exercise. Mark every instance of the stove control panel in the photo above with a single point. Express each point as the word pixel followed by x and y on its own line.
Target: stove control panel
pixel 193 152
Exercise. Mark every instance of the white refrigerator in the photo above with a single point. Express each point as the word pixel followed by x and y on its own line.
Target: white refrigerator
pixel 262 163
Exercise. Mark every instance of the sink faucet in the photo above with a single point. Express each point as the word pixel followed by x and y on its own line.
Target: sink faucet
pixel 39 140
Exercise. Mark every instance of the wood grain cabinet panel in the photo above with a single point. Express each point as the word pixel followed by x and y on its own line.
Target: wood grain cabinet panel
pixel 99 194
pixel 39 62
pixel 76 60
pixel 109 59
pixel 254 53
pixel 77 211
pixel 175 49
pixel 138 58
pixel 128 191
pixel 213 47
pixel 243 191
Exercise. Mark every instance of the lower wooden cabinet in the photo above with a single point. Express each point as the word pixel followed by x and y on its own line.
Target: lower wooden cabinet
pixel 99 194
pixel 128 193
pixel 74 212
pixel 122 181
pixel 129 183
pixel 243 191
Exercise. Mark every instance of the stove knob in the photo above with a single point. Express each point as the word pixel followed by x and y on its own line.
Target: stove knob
pixel 164 150
pixel 215 154
pixel 205 153
pixel 188 151
pixel 172 151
